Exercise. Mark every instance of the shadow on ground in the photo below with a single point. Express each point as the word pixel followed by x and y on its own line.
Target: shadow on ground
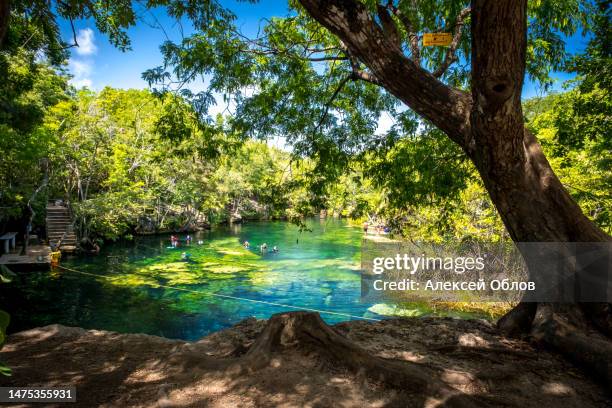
pixel 135 370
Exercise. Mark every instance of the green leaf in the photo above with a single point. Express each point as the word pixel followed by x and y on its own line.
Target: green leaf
pixel 5 370
pixel 5 319
pixel 6 275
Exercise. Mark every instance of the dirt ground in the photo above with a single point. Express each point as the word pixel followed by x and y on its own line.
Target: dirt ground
pixel 136 370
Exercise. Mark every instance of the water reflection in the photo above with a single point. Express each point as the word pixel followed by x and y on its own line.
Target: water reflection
pixel 141 288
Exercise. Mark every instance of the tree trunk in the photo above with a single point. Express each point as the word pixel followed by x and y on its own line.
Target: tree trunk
pixel 532 202
pixel 307 333
pixel 31 213
pixel 488 124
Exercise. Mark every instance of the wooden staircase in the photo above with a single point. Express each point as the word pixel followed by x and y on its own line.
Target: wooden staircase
pixel 59 224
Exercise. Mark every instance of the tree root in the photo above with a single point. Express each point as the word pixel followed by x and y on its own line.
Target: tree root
pixel 306 332
pixel 567 329
pixel 600 315
pixel 458 349
pixel 518 320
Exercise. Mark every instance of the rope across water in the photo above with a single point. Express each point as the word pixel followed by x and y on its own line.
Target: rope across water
pixel 231 297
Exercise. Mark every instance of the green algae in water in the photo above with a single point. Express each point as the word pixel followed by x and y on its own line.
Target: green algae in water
pixel 144 286
pixel 392 310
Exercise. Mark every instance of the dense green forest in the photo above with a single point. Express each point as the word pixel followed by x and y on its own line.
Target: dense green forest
pixel 126 170
pixel 140 161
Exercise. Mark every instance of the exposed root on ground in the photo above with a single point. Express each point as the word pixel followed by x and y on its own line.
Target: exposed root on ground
pixel 306 331
pixel 578 332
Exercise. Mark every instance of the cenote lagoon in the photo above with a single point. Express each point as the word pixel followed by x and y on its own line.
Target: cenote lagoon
pixel 144 286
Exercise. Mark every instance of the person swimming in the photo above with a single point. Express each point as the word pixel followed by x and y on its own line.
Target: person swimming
pixel 275 249
pixel 185 256
pixel 246 244
pixel 263 247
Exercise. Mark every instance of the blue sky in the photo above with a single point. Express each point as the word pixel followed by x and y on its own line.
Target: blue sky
pixel 97 63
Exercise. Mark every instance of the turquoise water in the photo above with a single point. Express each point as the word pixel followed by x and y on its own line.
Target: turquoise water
pixel 144 286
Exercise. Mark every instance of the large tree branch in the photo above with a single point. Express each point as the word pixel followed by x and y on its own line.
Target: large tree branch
pixel 388 26
pixel 450 54
pixel 446 107
pixel 365 76
pixel 499 38
pixel 357 72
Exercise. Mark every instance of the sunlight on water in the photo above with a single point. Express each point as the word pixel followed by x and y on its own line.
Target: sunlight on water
pixel 140 285
pixel 317 269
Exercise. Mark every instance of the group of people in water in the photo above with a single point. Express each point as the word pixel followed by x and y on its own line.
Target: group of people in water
pixel 262 248
pixel 174 241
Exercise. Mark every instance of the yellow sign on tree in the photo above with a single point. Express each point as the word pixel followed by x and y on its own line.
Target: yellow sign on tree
pixel 441 39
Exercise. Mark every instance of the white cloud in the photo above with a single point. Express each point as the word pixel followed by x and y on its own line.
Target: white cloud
pixel 80 68
pixel 82 83
pixel 81 72
pixel 385 123
pixel 85 39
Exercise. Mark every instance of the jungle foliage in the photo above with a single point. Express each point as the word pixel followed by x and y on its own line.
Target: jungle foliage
pixel 139 161
pixel 125 170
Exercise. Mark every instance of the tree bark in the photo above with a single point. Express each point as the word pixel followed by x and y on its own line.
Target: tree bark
pixel 488 125
pixel 532 202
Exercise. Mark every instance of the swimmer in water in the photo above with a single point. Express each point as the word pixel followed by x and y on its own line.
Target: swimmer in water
pixel 275 249
pixel 246 244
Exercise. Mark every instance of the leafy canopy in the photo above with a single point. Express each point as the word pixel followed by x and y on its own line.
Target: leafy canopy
pixel 296 80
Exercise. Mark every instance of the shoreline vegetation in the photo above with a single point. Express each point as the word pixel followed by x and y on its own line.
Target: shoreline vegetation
pixel 124 174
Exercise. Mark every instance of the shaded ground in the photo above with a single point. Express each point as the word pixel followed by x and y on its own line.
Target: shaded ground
pixel 135 370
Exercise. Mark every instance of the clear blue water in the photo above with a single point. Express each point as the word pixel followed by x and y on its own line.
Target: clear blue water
pixel 144 286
